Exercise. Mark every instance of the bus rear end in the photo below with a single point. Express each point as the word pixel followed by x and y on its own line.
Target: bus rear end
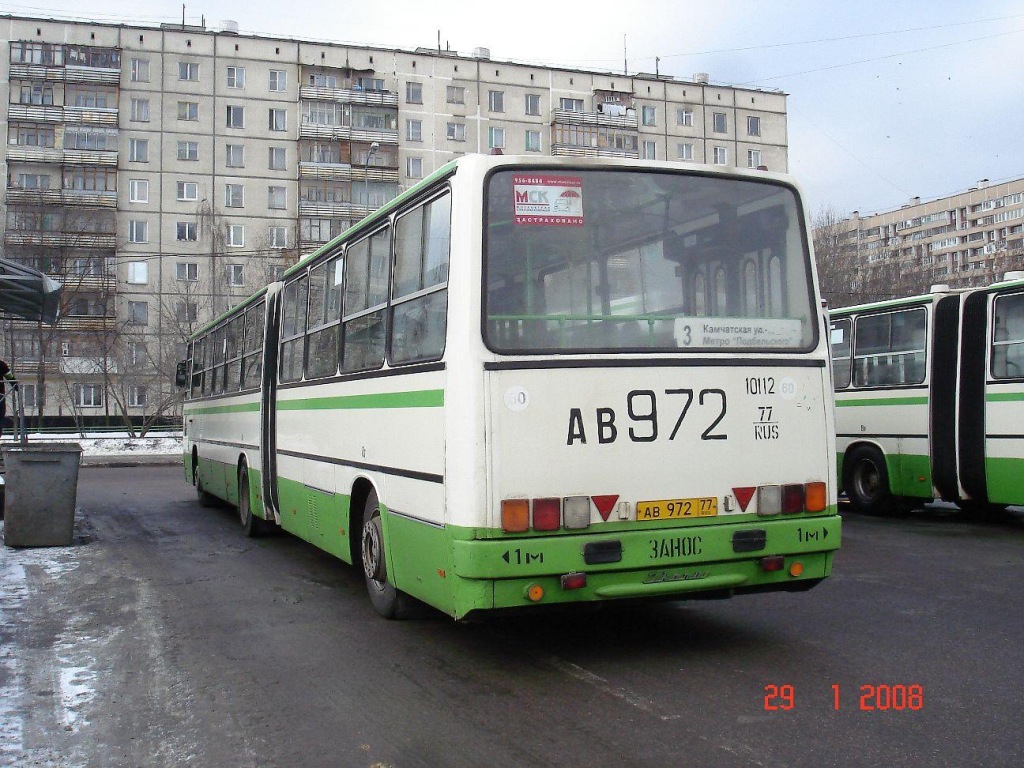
pixel 657 399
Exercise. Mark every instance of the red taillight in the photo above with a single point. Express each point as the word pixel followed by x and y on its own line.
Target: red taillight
pixel 792 499
pixel 773 563
pixel 547 514
pixel 574 581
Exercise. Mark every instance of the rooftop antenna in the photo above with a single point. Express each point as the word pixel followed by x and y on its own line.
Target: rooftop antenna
pixel 625 61
pixel 183 14
pixel 657 61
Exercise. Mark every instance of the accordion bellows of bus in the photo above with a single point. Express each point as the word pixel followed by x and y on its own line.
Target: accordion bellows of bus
pixel 536 381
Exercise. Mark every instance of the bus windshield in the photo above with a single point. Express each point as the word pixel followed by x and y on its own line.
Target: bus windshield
pixel 627 260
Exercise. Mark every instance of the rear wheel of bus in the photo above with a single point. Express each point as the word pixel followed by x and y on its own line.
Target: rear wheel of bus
pixel 866 481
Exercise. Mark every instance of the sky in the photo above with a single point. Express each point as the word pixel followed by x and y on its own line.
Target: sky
pixel 886 100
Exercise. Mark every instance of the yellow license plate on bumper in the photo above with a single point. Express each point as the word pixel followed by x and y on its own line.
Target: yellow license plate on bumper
pixel 673 509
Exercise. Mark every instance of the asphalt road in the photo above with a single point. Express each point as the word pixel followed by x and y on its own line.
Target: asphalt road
pixel 165 638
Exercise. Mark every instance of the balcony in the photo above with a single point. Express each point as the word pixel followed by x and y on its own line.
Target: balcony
pixel 326 209
pixel 24 154
pixel 572 150
pixel 90 198
pixel 347 172
pixel 37 113
pixel 91 115
pixel 347 133
pixel 89 240
pixel 107 75
pixel 90 157
pixel 571 117
pixel 349 96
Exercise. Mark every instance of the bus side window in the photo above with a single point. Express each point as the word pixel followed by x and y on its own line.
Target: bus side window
pixel 1008 337
pixel 293 328
pixel 366 295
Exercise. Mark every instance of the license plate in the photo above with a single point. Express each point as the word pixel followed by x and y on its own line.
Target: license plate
pixel 673 509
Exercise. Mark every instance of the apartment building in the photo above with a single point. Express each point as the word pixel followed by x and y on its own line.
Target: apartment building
pixel 163 173
pixel 967 239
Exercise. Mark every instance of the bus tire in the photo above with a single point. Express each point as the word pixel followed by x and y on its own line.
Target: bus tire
pixel 866 481
pixel 252 526
pixel 206 499
pixel 386 599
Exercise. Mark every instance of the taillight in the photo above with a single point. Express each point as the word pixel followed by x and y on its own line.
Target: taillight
pixel 576 511
pixel 817 497
pixel 769 499
pixel 515 515
pixel 792 499
pixel 547 514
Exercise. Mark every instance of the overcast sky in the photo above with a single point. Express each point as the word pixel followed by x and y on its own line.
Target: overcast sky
pixel 887 100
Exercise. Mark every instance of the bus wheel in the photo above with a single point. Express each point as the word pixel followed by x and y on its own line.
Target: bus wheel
pixel 252 526
pixel 387 600
pixel 205 499
pixel 866 480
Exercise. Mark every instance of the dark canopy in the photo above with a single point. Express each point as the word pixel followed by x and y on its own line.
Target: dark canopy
pixel 28 294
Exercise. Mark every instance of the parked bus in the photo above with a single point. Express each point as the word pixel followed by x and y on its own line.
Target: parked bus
pixel 533 381
pixel 928 398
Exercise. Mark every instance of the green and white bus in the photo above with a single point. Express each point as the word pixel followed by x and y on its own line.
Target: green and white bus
pixel 928 398
pixel 534 381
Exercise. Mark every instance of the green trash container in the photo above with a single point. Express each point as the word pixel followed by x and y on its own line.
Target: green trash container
pixel 41 491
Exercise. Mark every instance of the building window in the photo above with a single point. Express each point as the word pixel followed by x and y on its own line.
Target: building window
pixel 188 70
pixel 279 237
pixel 138 191
pixel 236 237
pixel 278 119
pixel 413 93
pixel 684 151
pixel 414 130
pixel 188 110
pixel 278 159
pixel 276 198
pixel 88 395
pixel 753 126
pixel 186 231
pixel 719 122
pixel 721 156
pixel 572 105
pixel 533 104
pixel 456 94
pixel 236 77
pixel 236 275
pixel 138 232
pixel 140 70
pixel 186 271
pixel 44 135
pixel 138 150
pixel 139 111
pixel 29 395
pixel 136 395
pixel 684 117
pixel 234 155
pixel 188 150
pixel 235 116
pixel 496 138
pixel 649 115
pixel 138 272
pixel 138 312
pixel 414 167
pixel 650 150
pixel 496 101
pixel 457 131
pixel 188 190
pixel 533 141
pixel 278 80
pixel 186 312
pixel 234 195
pixel 753 158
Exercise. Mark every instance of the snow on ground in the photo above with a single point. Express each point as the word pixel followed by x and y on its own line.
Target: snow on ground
pixel 114 443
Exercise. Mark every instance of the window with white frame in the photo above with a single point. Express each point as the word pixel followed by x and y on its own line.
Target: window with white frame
pixel 684 151
pixel 414 130
pixel 276 198
pixel 533 141
pixel 684 117
pixel 186 271
pixel 186 231
pixel 456 94
pixel 138 190
pixel 188 150
pixel 188 110
pixel 140 70
pixel 138 312
pixel 278 119
pixel 88 395
pixel 138 150
pixel 533 103
pixel 236 275
pixel 456 131
pixel 235 116
pixel 236 77
pixel 720 156
pixel 649 115
pixel 753 125
pixel 279 237
pixel 572 105
pixel 496 138
pixel 136 395
pixel 413 93
pixel 234 195
pixel 188 70
pixel 236 236
pixel 650 150
pixel 135 353
pixel 138 272
pixel 138 110
pixel 138 232
pixel 277 159
pixel 278 80
pixel 496 101
pixel 719 122
pixel 753 158
pixel 234 155
pixel 29 395
pixel 188 190
pixel 414 167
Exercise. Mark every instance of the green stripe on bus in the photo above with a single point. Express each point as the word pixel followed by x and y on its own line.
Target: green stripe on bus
pixel 882 401
pixel 241 408
pixel 1004 397
pixel 425 398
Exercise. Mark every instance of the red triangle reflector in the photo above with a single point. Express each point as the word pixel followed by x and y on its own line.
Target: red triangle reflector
pixel 604 505
pixel 743 496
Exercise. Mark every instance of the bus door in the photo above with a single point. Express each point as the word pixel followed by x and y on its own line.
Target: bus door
pixel 971 406
pixel 942 397
pixel 268 398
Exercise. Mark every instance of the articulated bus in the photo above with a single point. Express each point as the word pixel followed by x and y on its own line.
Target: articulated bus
pixel 928 398
pixel 536 381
